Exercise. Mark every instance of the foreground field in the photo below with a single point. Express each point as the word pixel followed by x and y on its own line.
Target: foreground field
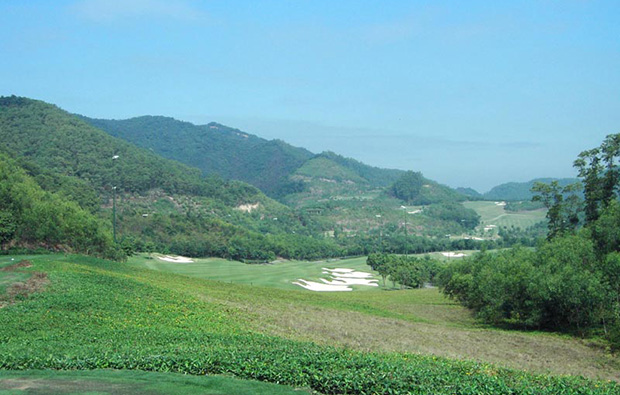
pixel 95 314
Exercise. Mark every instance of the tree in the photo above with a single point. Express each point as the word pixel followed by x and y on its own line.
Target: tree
pixel 599 171
pixel 563 206
pixel 408 186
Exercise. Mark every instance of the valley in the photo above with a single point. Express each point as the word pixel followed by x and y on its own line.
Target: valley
pixel 118 258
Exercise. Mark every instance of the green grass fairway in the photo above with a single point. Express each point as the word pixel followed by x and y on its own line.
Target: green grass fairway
pixel 493 214
pixel 279 275
pixel 132 382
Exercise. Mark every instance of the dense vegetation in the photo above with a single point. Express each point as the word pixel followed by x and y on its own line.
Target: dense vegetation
pixel 407 271
pixel 97 314
pixel 213 148
pixel 568 283
pixel 30 216
pixel 162 204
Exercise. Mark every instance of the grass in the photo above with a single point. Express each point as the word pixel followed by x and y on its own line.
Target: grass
pixel 132 382
pixel 97 314
pixel 493 214
pixel 419 321
pixel 279 274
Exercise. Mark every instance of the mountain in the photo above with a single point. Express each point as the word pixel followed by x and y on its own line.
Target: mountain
pixel 277 168
pixel 162 204
pixel 213 148
pixel 513 191
pixel 339 192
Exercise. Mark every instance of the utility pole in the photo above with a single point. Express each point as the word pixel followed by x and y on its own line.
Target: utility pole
pixel 114 158
pixel 114 214
pixel 406 235
pixel 380 233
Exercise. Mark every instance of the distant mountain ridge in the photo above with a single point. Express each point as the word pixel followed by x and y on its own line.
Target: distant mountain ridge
pixel 513 191
pixel 274 166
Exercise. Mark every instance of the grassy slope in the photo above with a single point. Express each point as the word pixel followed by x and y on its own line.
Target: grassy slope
pixel 132 382
pixel 419 321
pixel 492 214
pixel 97 314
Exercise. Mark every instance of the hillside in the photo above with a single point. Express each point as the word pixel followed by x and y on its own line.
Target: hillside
pixel 30 216
pixel 213 148
pixel 513 191
pixel 162 204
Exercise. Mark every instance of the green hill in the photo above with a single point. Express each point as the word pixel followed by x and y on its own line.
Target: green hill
pixel 162 204
pixel 513 191
pixel 213 148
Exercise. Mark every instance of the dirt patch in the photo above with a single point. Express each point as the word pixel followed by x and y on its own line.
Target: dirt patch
pixel 21 289
pixel 15 266
pixel 35 283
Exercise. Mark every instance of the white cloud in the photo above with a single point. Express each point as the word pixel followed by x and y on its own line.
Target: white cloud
pixel 114 10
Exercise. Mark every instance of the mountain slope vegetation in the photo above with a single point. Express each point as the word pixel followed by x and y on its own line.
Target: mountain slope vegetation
pixel 163 204
pixel 30 216
pixel 213 148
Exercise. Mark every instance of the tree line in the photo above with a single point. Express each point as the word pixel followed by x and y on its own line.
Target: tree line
pixel 569 282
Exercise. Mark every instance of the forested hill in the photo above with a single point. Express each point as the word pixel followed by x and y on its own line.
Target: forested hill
pixel 63 144
pixel 213 148
pixel 162 205
pixel 513 191
pixel 271 165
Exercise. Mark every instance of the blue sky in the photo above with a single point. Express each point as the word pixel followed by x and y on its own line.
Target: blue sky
pixel 470 93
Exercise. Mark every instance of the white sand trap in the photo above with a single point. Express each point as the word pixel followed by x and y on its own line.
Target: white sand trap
pixel 453 254
pixel 313 286
pixel 341 279
pixel 351 281
pixel 175 259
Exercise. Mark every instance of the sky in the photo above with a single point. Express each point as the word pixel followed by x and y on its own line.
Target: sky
pixel 470 93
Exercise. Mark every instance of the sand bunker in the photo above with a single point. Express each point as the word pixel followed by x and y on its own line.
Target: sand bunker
pixel 175 259
pixel 313 286
pixel 341 279
pixel 453 254
pixel 352 281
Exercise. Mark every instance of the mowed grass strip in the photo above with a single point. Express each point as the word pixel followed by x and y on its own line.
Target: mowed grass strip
pixel 133 382
pixel 96 314
pixel 493 214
